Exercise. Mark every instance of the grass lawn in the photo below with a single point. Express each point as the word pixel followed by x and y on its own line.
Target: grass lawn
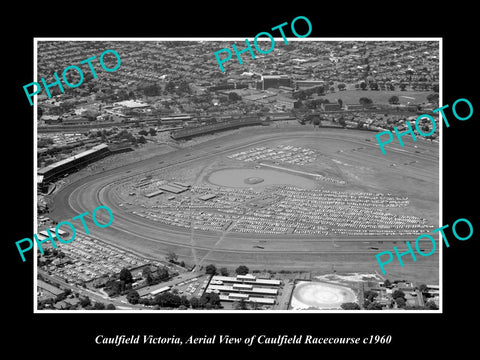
pixel 378 97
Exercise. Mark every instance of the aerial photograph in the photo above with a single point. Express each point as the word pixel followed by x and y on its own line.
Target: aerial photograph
pixel 261 188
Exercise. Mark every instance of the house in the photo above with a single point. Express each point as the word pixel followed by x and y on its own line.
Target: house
pixel 51 119
pixel 61 305
pixel 72 302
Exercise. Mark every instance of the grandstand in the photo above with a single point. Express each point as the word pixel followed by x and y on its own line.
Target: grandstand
pixel 72 163
pixel 207 129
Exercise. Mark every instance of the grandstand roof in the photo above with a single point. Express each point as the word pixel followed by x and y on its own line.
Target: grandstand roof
pixel 176 189
pixel 94 149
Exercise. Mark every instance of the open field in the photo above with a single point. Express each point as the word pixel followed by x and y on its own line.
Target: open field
pixel 379 97
pixel 356 165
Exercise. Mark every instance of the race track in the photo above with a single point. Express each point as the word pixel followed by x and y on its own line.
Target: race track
pixel 153 239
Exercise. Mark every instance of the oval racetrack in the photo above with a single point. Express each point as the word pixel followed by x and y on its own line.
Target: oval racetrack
pixel 153 239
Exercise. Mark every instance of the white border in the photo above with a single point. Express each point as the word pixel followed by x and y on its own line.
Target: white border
pixel 220 311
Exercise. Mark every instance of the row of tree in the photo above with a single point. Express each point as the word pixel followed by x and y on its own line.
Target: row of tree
pixel 151 132
pixel 212 270
pixel 87 304
pixel 389 86
pixel 123 284
pixel 155 89
pixel 173 300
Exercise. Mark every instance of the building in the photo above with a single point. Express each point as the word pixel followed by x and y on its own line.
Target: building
pixel 286 103
pixel 274 81
pixel 245 287
pixel 354 107
pixel 299 84
pixel 207 197
pixel 46 290
pixel 51 119
pixel 76 120
pixel 72 163
pixel 155 193
pixel 331 107
pixel 152 291
pixel 173 188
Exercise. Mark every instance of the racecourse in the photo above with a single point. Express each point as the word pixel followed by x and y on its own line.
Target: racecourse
pixel 414 173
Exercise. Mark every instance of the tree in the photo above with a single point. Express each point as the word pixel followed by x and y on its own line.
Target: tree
pixel 110 307
pixel 317 121
pixel 223 271
pixel 194 303
pixel 233 96
pixel 387 283
pixel 409 72
pixel 214 299
pixel 423 288
pixel 170 86
pixel 99 306
pixel 363 85
pixel 401 302
pixel 242 270
pixel 162 274
pixel 341 86
pixel 152 132
pixel 370 295
pixel 240 305
pixel 133 297
pixel 171 257
pixel 184 87
pixel 114 287
pixel 365 101
pixel 151 90
pixel 85 301
pixel 168 299
pixel 211 269
pixel 373 306
pixel 142 140
pixel 184 301
pixel 126 276
pixel 394 100
pixel 430 305
pixel 143 132
pixel 146 271
pixel 433 98
pixel 350 306
pixel 398 294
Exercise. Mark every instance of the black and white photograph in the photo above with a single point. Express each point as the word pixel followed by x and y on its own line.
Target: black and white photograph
pixel 224 180
pixel 260 188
